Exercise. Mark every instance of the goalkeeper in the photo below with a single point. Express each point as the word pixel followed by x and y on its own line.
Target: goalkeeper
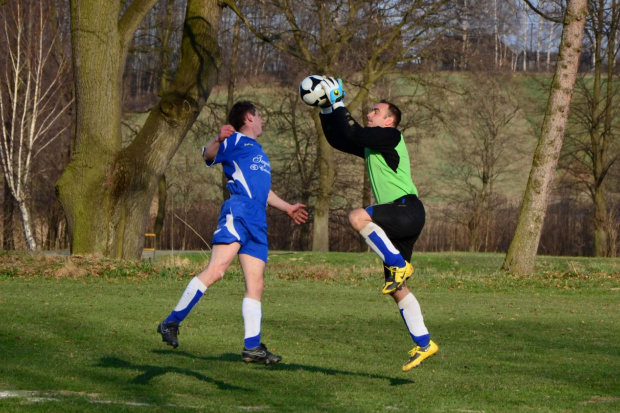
pixel 391 227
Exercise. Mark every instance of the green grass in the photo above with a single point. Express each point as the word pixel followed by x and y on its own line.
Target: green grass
pixel 79 335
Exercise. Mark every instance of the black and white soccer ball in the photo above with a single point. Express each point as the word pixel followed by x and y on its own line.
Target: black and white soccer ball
pixel 311 91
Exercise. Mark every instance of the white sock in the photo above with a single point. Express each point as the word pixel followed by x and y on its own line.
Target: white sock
pixel 252 314
pixel 411 312
pixel 378 241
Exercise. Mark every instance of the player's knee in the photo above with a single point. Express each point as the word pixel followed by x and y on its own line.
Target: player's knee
pixel 353 217
pixel 258 284
pixel 359 218
pixel 211 275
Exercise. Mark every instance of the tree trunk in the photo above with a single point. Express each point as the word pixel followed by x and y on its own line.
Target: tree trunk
pixel 597 138
pixel 465 46
pixel 476 220
pixel 538 41
pixel 27 224
pixel 603 228
pixel 523 248
pixel 525 21
pixel 162 196
pixel 601 221
pixel 7 218
pixel 496 35
pixel 320 229
pixel 106 191
pixel 549 43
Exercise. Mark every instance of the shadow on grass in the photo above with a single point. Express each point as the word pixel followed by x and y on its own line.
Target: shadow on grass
pixel 151 372
pixel 234 357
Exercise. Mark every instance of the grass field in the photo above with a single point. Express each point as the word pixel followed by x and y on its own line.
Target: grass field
pixel 78 334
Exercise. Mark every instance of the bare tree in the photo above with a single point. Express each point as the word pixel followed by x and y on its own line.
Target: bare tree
pixel 524 28
pixel 31 98
pixel 338 38
pixel 483 149
pixel 521 254
pixel 593 141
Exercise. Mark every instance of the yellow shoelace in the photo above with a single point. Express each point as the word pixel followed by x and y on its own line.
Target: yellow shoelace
pixel 414 350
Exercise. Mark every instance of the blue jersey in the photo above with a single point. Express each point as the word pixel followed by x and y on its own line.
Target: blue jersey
pixel 246 166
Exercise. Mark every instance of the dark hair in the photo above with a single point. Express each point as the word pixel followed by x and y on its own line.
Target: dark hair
pixel 393 111
pixel 236 116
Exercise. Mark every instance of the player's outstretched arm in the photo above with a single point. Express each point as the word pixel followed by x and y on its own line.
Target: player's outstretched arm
pixel 210 150
pixel 295 211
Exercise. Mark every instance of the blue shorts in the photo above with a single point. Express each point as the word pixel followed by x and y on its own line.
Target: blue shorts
pixel 243 220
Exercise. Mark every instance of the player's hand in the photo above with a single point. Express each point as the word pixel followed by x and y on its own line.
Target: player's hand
pixel 225 132
pixel 333 90
pixel 297 213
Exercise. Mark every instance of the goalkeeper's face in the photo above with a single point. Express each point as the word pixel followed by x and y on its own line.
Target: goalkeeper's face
pixel 379 116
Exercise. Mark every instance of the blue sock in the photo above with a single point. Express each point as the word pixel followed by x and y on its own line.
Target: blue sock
pixel 422 341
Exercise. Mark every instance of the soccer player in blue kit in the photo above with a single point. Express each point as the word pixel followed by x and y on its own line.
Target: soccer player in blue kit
pixel 241 230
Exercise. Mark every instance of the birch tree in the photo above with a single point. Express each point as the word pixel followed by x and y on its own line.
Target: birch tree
pixel 31 98
pixel 524 27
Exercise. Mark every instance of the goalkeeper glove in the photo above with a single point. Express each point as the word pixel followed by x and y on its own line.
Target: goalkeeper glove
pixel 335 94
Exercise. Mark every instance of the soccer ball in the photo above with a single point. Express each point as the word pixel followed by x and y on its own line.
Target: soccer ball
pixel 311 91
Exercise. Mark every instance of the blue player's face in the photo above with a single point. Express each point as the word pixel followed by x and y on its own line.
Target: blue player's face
pixel 257 124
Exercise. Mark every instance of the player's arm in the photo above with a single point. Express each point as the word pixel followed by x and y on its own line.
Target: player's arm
pixel 209 152
pixel 295 211
pixel 337 121
pixel 343 132
pixel 376 138
pixel 338 127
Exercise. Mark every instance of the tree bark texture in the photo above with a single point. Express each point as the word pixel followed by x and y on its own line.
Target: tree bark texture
pixel 162 196
pixel 521 254
pixel 106 190
pixel 7 218
pixel 320 231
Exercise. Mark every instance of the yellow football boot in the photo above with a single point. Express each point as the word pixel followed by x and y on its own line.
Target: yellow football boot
pixel 398 275
pixel 417 355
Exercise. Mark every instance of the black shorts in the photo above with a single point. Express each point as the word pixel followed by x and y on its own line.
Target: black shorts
pixel 402 220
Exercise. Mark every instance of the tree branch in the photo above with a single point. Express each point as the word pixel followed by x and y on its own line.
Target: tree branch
pixel 129 23
pixel 541 14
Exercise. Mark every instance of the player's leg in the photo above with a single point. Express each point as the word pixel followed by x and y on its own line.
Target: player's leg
pixel 253 271
pixel 221 257
pixel 251 309
pixel 402 221
pixel 411 313
pixel 408 305
pixel 375 237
